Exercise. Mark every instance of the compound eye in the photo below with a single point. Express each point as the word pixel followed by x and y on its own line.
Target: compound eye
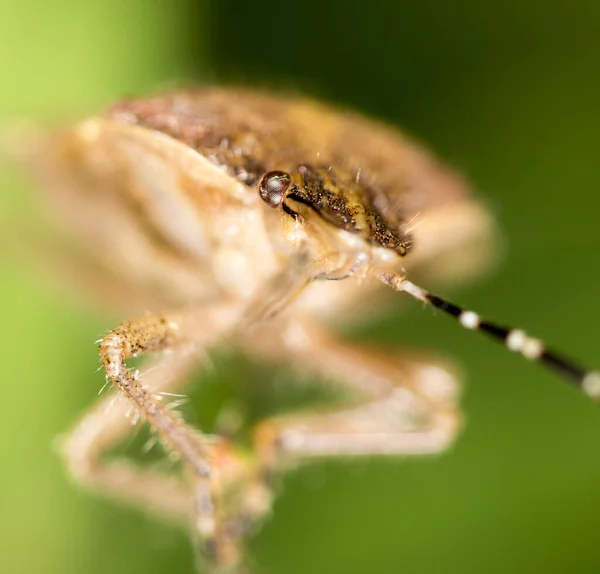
pixel 273 186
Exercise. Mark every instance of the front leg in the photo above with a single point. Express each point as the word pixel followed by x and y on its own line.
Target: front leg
pixel 152 334
pixel 108 422
pixel 209 462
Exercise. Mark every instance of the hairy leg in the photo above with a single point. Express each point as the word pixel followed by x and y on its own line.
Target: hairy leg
pixel 109 422
pixel 208 462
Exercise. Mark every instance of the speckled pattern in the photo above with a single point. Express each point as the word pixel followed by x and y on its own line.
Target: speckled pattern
pixel 358 175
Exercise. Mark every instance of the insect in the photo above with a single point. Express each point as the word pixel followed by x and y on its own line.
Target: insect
pixel 223 214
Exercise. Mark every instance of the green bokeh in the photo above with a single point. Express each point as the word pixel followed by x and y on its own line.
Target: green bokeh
pixel 510 93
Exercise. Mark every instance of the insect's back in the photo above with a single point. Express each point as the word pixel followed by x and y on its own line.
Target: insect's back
pixel 249 133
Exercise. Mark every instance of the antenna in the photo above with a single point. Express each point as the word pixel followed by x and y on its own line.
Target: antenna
pixel 514 339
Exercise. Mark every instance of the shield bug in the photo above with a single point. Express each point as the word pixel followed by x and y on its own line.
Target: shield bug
pixel 258 219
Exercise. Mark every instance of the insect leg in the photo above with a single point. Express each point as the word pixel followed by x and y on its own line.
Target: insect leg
pixel 106 424
pixel 207 460
pixel 405 406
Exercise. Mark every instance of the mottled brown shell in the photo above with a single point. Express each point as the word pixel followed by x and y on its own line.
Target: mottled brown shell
pixel 358 175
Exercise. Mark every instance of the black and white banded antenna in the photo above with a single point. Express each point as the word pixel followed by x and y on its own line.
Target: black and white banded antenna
pixel 514 339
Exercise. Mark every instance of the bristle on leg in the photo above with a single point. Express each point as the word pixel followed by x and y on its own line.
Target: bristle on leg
pixel 514 339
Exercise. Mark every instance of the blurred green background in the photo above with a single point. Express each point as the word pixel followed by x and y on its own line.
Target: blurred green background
pixel 510 93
